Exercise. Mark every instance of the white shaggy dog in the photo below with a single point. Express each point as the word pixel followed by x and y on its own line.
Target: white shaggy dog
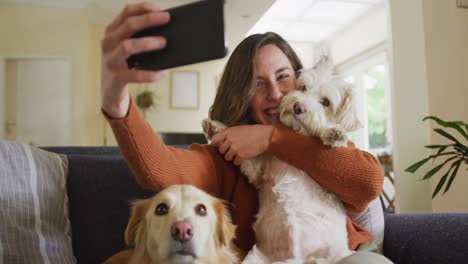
pixel 299 221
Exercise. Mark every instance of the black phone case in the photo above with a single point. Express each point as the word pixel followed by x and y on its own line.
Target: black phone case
pixel 194 34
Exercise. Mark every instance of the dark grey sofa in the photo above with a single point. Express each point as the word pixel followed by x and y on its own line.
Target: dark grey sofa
pixel 101 187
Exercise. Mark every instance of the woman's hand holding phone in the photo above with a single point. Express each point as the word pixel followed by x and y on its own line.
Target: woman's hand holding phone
pixel 117 46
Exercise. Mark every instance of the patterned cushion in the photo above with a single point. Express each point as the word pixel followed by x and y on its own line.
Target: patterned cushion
pixel 33 206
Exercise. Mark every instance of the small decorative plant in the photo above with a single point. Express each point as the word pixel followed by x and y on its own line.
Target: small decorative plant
pixel 456 152
pixel 145 100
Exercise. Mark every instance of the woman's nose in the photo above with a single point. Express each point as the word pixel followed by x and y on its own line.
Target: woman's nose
pixel 275 92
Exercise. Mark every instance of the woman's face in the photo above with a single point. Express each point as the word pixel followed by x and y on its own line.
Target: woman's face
pixel 275 78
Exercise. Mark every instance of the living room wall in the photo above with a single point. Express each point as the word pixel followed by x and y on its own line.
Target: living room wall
pixel 38 31
pixel 446 39
pixel 31 31
pixel 429 40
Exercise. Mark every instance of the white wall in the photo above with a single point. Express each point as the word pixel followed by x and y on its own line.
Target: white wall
pixel 364 34
pixel 305 52
pixel 410 104
pixel 446 42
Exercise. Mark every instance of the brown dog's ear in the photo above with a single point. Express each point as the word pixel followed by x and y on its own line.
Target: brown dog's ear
pixel 137 219
pixel 346 114
pixel 225 229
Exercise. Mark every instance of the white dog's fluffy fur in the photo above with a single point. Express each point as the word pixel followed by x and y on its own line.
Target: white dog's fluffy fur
pixel 211 234
pixel 299 221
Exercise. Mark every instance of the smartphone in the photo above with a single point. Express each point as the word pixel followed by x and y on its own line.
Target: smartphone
pixel 194 34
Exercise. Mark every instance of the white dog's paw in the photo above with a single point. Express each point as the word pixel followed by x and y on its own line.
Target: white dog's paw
pixel 333 137
pixel 211 127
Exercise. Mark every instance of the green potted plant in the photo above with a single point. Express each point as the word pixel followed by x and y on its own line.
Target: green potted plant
pixel 454 154
pixel 145 100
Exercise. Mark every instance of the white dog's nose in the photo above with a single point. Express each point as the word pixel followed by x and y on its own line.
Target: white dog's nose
pixel 299 108
pixel 181 231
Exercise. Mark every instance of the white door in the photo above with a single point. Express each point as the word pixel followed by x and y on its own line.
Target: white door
pixel 38 109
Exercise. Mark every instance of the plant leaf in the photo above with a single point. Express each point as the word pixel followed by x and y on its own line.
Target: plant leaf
pixel 447 135
pixel 435 146
pixel 441 183
pixel 418 164
pixel 454 173
pixel 437 168
pixel 457 125
pixel 441 150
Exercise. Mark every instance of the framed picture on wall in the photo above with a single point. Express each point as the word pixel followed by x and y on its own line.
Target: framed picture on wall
pixel 185 89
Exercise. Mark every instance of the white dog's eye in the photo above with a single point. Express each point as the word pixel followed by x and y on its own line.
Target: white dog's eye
pixel 302 88
pixel 200 210
pixel 161 209
pixel 325 102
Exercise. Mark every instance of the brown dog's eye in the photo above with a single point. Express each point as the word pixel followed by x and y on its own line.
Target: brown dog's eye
pixel 200 210
pixel 325 102
pixel 161 209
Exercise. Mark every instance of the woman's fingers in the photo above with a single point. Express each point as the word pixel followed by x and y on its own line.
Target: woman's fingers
pixel 238 161
pixel 230 154
pixel 224 147
pixel 132 25
pixel 117 58
pixel 218 139
pixel 131 10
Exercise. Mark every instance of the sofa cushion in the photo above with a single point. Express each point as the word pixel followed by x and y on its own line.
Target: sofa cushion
pixel 100 190
pixel 34 223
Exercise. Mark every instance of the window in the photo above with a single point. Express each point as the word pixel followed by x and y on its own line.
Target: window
pixel 370 80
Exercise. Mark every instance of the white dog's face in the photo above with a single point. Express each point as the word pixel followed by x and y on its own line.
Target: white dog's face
pixel 181 224
pixel 322 101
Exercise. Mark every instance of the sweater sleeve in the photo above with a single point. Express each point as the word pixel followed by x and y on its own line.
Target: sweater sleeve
pixel 353 175
pixel 156 165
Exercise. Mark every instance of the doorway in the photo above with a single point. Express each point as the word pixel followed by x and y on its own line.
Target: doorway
pixel 36 101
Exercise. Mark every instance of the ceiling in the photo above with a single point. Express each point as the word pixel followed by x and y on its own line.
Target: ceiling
pixel 295 20
pixel 312 20
pixel 240 15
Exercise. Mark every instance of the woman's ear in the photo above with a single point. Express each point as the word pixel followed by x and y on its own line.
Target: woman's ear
pixel 346 114
pixel 225 229
pixel 137 221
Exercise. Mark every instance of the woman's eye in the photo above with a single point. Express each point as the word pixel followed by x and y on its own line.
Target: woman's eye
pixel 260 84
pixel 325 102
pixel 161 209
pixel 283 76
pixel 200 210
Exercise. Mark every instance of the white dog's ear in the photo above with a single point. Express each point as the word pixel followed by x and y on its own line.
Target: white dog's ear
pixel 346 114
pixel 225 229
pixel 323 64
pixel 137 220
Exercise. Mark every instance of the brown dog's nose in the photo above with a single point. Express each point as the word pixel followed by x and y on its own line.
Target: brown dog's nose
pixel 181 231
pixel 299 108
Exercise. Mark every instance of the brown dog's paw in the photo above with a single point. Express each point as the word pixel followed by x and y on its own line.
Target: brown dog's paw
pixel 333 137
pixel 211 127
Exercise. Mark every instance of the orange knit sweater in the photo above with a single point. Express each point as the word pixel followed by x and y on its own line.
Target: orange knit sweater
pixel 353 175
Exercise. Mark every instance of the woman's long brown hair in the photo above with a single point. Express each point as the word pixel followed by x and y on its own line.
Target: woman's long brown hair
pixel 237 86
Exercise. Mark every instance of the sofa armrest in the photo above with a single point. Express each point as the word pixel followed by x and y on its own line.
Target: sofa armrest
pixel 426 238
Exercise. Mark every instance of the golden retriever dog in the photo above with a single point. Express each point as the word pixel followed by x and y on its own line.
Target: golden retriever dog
pixel 179 225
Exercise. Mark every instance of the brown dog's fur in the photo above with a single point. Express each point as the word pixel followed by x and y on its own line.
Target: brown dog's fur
pixel 149 233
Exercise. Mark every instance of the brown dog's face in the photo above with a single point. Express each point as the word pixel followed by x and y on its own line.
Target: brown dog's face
pixel 180 224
